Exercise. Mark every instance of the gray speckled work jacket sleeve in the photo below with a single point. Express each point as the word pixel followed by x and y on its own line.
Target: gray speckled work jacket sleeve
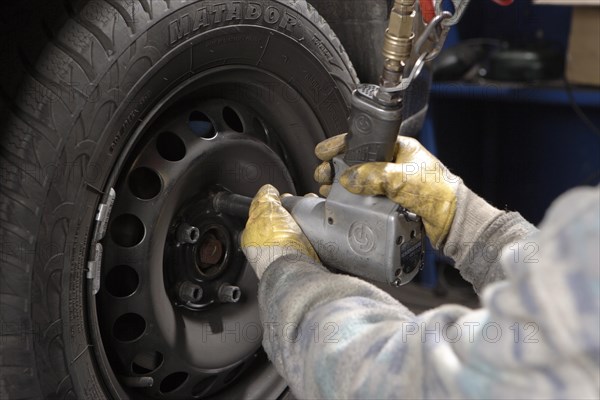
pixel 478 235
pixel 536 336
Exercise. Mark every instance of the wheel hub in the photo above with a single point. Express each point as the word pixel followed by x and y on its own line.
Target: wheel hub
pixel 207 261
pixel 210 252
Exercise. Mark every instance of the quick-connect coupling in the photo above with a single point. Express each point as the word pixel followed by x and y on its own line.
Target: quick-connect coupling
pixel 398 41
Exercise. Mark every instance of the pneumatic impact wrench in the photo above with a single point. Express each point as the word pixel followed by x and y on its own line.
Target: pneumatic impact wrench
pixel 367 236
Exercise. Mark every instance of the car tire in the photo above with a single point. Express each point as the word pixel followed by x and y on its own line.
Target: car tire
pixel 77 115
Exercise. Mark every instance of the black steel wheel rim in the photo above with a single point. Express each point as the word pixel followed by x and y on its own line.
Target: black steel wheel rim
pixel 177 307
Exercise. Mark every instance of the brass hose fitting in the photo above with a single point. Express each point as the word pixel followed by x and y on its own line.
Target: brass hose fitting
pixel 398 41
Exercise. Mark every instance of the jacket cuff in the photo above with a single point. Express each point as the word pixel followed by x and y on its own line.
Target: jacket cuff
pixel 478 235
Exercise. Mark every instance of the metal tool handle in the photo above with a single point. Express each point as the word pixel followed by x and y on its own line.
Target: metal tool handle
pixel 373 128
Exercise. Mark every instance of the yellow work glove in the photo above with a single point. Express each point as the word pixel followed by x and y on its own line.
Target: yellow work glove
pixel 271 233
pixel 416 180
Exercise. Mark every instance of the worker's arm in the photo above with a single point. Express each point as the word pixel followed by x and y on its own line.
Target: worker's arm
pixel 536 335
pixel 457 221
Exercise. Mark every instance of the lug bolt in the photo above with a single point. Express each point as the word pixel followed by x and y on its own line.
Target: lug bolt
pixel 190 292
pixel 187 234
pixel 229 293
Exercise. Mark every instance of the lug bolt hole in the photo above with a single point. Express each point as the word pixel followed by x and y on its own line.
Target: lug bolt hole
pixel 146 363
pixel 129 327
pixel 127 230
pixel 233 119
pixel 259 131
pixel 173 382
pixel 122 281
pixel 144 183
pixel 201 125
pixel 203 386
pixel 170 146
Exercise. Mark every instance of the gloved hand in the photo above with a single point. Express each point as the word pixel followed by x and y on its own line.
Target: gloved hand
pixel 271 232
pixel 416 180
